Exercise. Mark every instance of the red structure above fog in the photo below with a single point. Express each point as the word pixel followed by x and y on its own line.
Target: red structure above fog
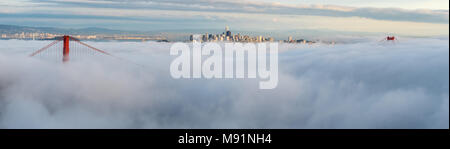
pixel 390 38
pixel 70 46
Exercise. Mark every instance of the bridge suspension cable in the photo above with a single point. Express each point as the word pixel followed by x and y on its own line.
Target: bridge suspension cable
pixel 68 50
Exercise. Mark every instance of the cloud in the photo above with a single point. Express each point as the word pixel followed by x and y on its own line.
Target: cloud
pixel 356 85
pixel 207 16
pixel 235 6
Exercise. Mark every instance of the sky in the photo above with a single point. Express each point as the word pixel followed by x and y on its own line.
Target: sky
pixel 357 85
pixel 401 17
pixel 405 4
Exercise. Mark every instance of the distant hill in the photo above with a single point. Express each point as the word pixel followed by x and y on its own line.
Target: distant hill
pixel 12 29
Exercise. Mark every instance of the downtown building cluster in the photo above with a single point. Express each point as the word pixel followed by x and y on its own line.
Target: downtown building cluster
pixel 227 36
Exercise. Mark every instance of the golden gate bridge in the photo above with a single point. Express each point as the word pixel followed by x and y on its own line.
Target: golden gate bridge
pixel 71 47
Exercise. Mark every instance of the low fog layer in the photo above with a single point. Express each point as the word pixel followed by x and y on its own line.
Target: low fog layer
pixel 358 85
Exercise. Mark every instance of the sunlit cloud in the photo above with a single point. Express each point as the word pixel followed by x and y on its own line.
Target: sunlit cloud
pixel 202 14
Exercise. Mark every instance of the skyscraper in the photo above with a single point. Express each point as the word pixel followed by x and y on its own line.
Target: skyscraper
pixel 228 32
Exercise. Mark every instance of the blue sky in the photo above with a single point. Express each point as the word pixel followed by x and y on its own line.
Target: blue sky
pixel 405 17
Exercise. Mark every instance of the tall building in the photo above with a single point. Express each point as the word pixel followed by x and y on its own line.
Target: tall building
pixel 196 38
pixel 228 32
pixel 259 38
pixel 205 37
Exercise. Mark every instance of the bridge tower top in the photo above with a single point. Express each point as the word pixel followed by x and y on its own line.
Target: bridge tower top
pixel 66 48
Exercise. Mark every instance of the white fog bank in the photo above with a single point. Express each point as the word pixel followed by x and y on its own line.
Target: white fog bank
pixel 358 85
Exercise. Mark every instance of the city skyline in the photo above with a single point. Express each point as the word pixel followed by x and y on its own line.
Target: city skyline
pixel 45 33
pixel 408 18
pixel 228 36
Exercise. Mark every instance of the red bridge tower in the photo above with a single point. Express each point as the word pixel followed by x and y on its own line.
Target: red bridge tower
pixel 66 40
pixel 78 48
